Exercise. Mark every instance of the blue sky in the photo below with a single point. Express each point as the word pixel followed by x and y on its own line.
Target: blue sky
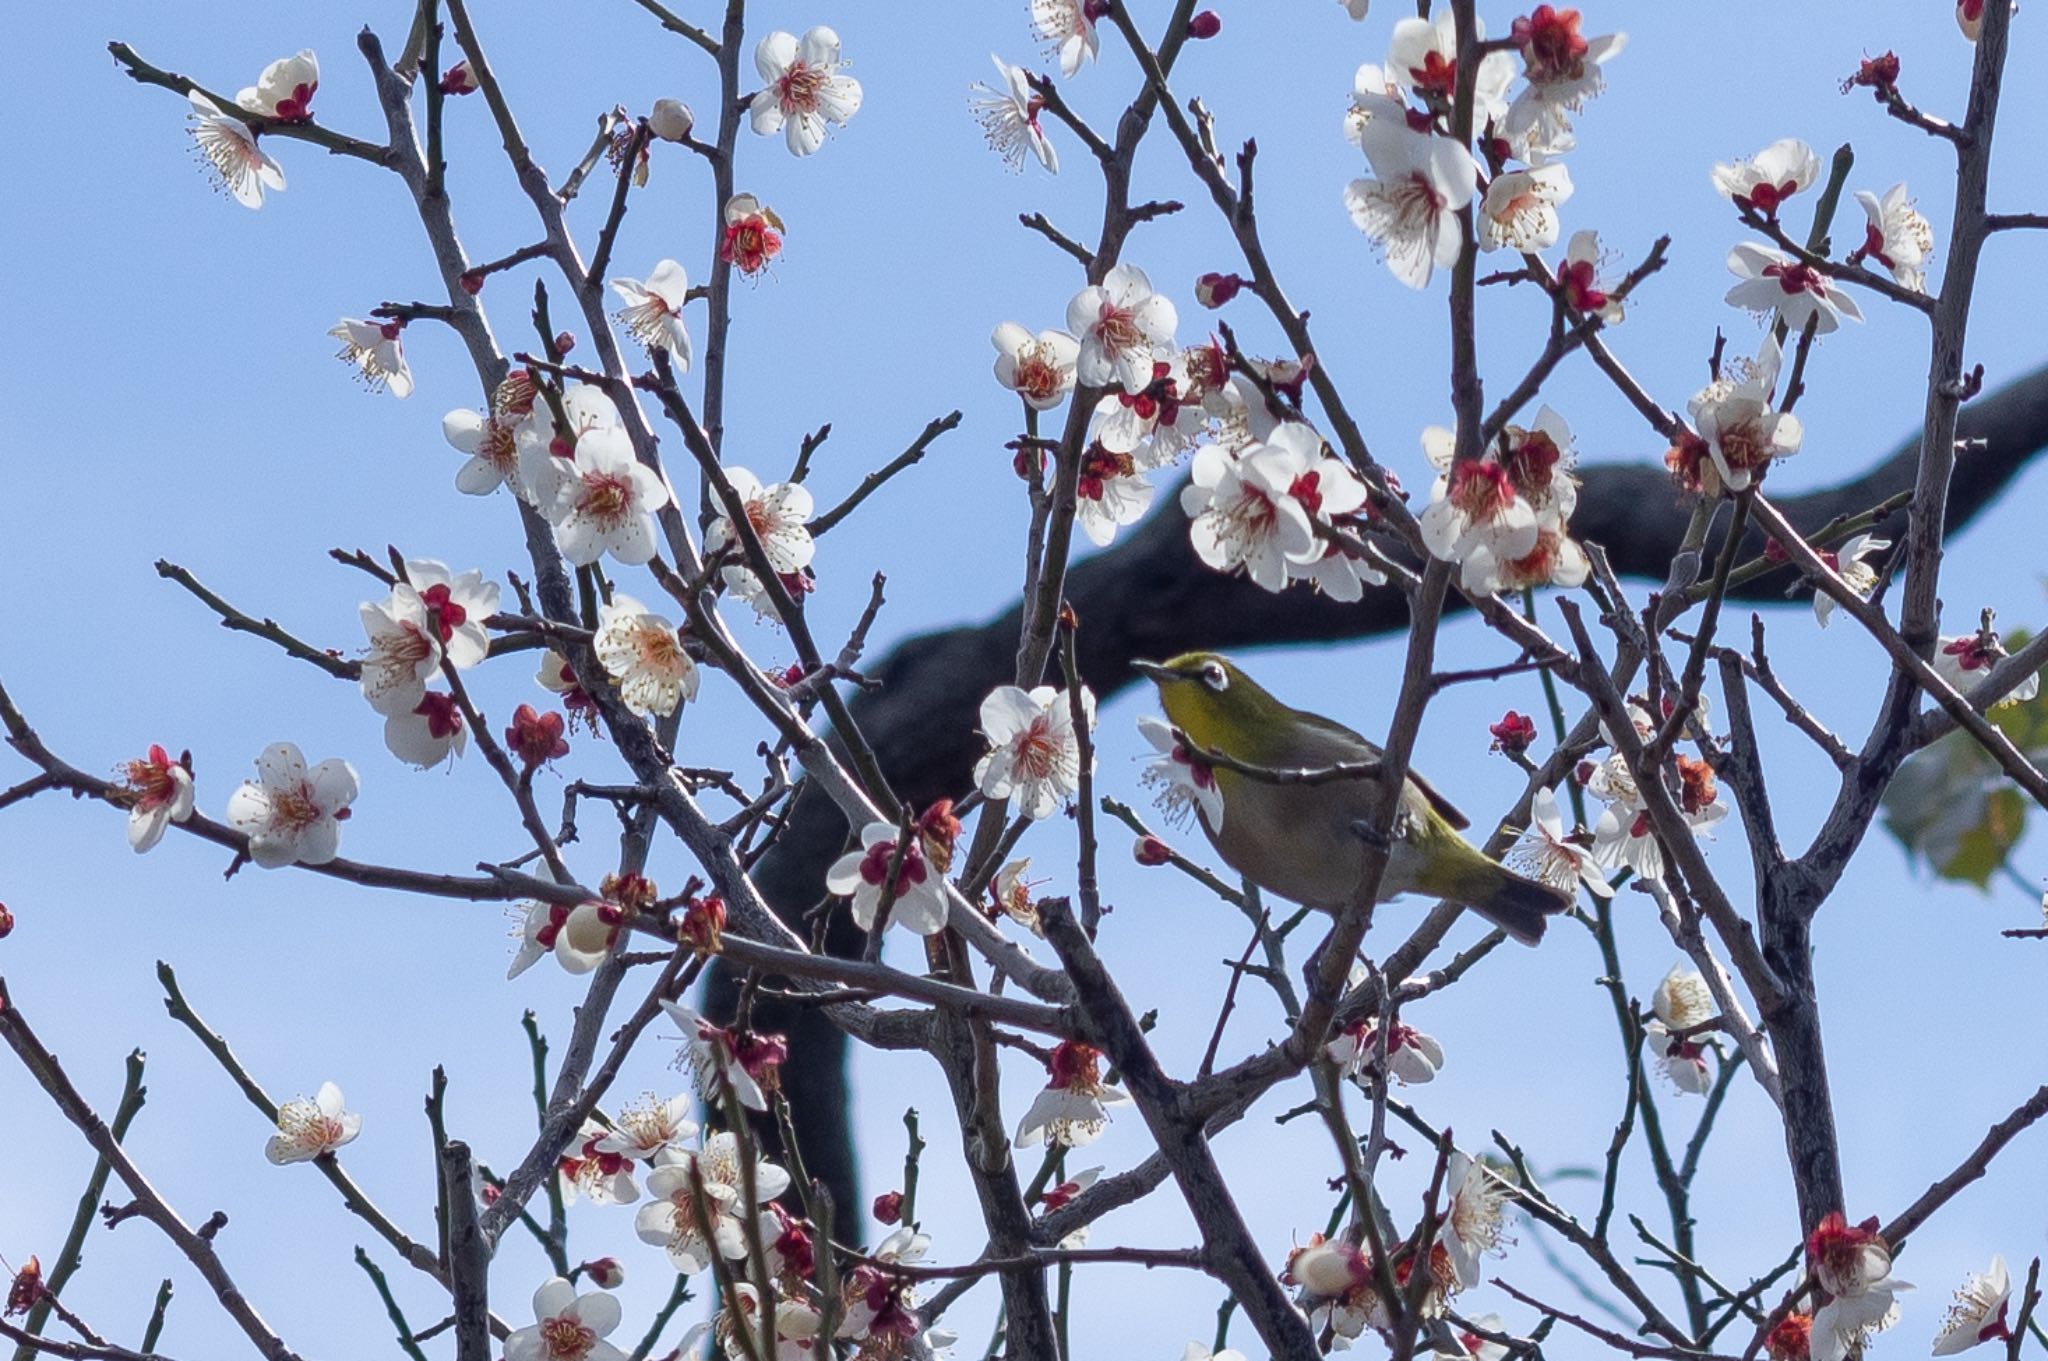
pixel 171 348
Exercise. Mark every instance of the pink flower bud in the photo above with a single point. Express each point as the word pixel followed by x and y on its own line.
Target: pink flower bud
pixel 459 79
pixel 1150 850
pixel 1214 290
pixel 889 1207
pixel 472 283
pixel 605 1273
pixel 1207 24
pixel 565 342
pixel 6 921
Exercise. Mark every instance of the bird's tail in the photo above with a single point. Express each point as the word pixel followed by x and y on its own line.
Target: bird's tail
pixel 1521 907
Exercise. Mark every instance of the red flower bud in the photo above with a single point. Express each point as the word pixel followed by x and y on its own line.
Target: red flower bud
pixel 1214 290
pixel 1877 74
pixel 27 1288
pixel 1029 463
pixel 605 1273
pixel 472 283
pixel 536 738
pixel 704 924
pixel 889 1207
pixel 1207 24
pixel 565 341
pixel 1150 850
pixel 1513 734
pixel 1095 10
pixel 458 80
pixel 6 921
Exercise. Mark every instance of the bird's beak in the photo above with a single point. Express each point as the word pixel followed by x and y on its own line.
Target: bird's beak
pixel 1154 671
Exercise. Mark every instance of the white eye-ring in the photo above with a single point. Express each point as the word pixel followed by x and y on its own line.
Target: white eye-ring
pixel 1215 677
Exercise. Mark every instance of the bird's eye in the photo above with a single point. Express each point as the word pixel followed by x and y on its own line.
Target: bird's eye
pixel 1215 677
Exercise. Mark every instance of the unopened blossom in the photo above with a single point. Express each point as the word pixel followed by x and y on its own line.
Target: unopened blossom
pixel 1067 28
pixel 675 1210
pixel 429 733
pixel 1475 1205
pixel 1578 277
pixel 1970 18
pixel 1073 1108
pixel 1185 782
pixel 306 1129
pixel 671 120
pixel 1519 210
pixel 654 311
pixel 1963 661
pixel 1563 69
pixel 493 452
pixel 1039 369
pixel 605 501
pixel 1258 509
pixel 1514 735
pixel 1008 114
pixel 158 792
pixel 1853 1264
pixel 289 813
pixel 588 932
pixel 919 902
pixel 1550 853
pixel 377 353
pixel 1109 493
pixel 588 1171
pixel 1791 1340
pixel 1035 756
pixel 459 79
pixel 285 89
pixel 1762 183
pixel 1412 1056
pixel 1744 434
pixel 1124 328
pixel 567 1326
pixel 1012 894
pixel 1474 505
pixel 1848 564
pixel 777 512
pixel 1896 236
pixel 1681 1002
pixel 1410 207
pixel 1978 1314
pixel 1215 289
pixel 1155 422
pixel 1338 1285
pixel 1795 292
pixel 239 167
pixel 719 1057
pixel 804 89
pixel 644 656
pixel 753 234
pixel 650 1125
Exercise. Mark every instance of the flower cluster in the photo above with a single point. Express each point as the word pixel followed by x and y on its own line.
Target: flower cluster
pixel 1504 516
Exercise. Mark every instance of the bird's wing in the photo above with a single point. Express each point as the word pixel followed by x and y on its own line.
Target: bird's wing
pixel 1332 742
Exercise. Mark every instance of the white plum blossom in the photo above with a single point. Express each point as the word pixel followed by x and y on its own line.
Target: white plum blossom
pixel 306 1129
pixel 1473 505
pixel 240 169
pixel 1422 57
pixel 1681 1001
pixel 605 501
pixel 1549 853
pixel 289 813
pixel 1154 422
pixel 1036 757
pixel 1067 32
pixel 456 606
pixel 585 1170
pixel 1853 1264
pixel 1073 1108
pixel 158 791
pixel 493 451
pixel 1562 68
pixel 547 454
pixel 713 1055
pixel 644 656
pixel 1797 293
pixel 863 875
pixel 654 311
pixel 1472 1224
pixel 285 89
pixel 1124 329
pixel 1762 183
pixel 1555 560
pixel 377 353
pixel 1041 369
pixel 1374 94
pixel 1109 493
pixel 1743 433
pixel 1519 211
pixel 778 513
pixel 1848 564
pixel 1962 661
pixel 1623 837
pixel 430 732
pixel 1184 782
pixel 1978 1314
pixel 1009 118
pixel 567 1326
pixel 1412 1056
pixel 1410 207
pixel 650 1125
pixel 1579 278
pixel 405 650
pixel 672 1216
pixel 1896 236
pixel 804 89
pixel 1257 510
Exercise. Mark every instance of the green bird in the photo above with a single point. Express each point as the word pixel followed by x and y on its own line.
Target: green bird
pixel 1299 840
